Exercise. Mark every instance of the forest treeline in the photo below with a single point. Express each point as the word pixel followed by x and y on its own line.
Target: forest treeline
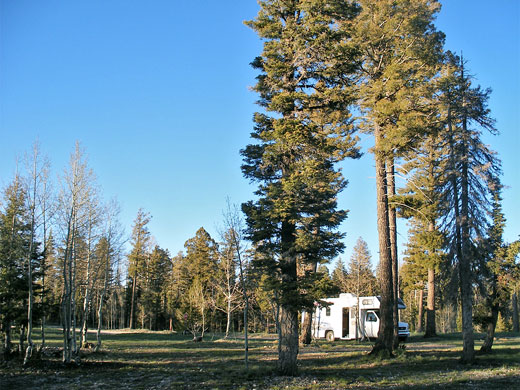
pixel 329 70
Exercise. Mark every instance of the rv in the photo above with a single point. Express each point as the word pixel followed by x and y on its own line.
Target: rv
pixel 348 317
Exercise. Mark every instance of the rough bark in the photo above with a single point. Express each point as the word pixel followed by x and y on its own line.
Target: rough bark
pixel 288 342
pixel 420 316
pixel 306 336
pixel 392 219
pixel 430 305
pixel 288 315
pixel 384 342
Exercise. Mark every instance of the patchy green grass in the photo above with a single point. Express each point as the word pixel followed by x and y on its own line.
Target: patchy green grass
pixel 162 360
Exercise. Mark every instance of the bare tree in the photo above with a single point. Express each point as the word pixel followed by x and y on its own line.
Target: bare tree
pixel 93 221
pixel 113 241
pixel 235 226
pixel 74 198
pixel 227 283
pixel 36 185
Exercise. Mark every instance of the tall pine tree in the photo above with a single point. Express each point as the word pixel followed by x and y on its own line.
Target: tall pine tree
pixel 305 129
pixel 399 52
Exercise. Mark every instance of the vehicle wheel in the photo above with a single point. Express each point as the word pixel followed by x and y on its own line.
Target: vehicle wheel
pixel 329 335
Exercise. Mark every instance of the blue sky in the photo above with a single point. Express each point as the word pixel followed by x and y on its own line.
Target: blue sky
pixel 157 94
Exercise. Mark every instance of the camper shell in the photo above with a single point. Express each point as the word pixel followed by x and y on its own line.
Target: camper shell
pixel 348 317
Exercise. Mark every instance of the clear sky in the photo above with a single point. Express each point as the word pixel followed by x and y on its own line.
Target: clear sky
pixel 157 94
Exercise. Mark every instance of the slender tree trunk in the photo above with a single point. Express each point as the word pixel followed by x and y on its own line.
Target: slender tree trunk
pixel 228 318
pixel 384 342
pixel 462 245
pixel 306 336
pixel 101 301
pixel 28 352
pixel 21 345
pixel 132 302
pixel 86 311
pixel 430 305
pixel 8 345
pixel 392 219
pixel 75 349
pixel 43 263
pixel 420 320
pixel 490 331
pixel 88 286
pixel 66 298
pixel 514 301
pixel 468 343
pixel 246 307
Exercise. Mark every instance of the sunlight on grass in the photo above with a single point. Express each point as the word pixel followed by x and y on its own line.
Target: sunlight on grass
pixel 163 360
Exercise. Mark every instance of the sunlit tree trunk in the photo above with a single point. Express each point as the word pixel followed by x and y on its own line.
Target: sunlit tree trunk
pixel 514 302
pixel 385 339
pixel 392 220
pixel 430 305
pixel 420 320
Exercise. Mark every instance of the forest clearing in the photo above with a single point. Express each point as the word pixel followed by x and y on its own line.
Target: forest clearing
pixel 364 186
pixel 140 359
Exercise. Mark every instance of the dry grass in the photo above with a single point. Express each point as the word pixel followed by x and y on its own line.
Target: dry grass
pixel 162 360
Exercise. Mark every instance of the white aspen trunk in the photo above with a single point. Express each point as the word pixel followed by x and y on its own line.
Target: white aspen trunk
pixel 65 304
pixel 101 299
pixel 28 352
pixel 86 300
pixel 72 272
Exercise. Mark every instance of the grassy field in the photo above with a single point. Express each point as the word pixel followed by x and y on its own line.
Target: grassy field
pixel 161 360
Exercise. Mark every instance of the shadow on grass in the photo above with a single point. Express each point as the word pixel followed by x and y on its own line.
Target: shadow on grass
pixel 173 359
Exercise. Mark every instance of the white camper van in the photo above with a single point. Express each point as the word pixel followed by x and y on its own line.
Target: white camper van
pixel 349 317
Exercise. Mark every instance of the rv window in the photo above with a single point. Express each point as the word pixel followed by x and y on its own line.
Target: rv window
pixel 371 317
pixel 327 311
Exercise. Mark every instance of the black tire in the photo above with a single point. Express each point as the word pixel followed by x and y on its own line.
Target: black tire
pixel 329 335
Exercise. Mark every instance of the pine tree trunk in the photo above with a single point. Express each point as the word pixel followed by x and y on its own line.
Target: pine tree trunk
pixel 465 275
pixel 288 341
pixel 490 331
pixel 306 333
pixel 430 305
pixel 7 339
pixel 288 314
pixel 132 302
pixel 514 299
pixel 384 342
pixel 420 320
pixel 392 219
pixel 306 336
